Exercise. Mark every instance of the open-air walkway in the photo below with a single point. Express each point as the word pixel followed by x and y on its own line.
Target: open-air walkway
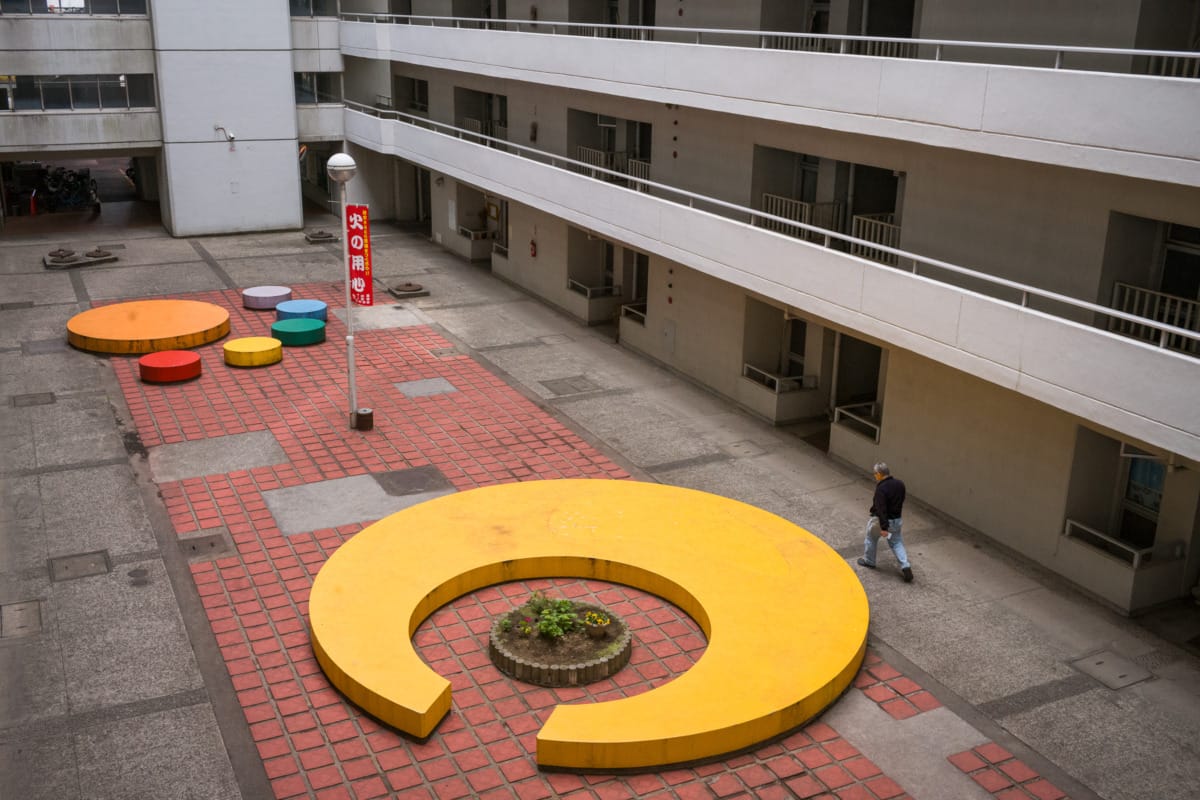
pixel 157 546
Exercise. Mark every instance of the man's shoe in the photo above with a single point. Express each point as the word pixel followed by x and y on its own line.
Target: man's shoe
pixel 862 562
pixel 907 571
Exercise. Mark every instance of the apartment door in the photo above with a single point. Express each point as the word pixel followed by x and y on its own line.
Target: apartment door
pixel 424 196
pixel 1181 263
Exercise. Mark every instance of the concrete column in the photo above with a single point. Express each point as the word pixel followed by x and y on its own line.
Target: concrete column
pixel 225 87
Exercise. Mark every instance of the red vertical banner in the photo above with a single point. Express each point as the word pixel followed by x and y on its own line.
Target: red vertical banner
pixel 358 247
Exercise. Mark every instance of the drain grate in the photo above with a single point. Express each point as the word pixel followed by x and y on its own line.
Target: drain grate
pixel 20 619
pixel 81 565
pixel 576 384
pixel 207 546
pixel 1110 669
pixel 16 305
pixel 415 480
pixel 35 399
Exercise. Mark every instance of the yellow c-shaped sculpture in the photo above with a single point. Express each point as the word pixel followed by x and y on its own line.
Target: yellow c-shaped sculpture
pixel 785 616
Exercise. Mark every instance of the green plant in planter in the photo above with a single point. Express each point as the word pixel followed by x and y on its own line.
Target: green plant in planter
pixel 551 618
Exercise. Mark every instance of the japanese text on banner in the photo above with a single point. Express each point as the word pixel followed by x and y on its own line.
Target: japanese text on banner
pixel 358 247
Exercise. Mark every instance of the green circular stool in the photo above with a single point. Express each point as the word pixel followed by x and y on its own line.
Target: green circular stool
pixel 299 331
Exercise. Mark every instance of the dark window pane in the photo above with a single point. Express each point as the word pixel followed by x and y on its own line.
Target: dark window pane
pixel 300 8
pixel 329 87
pixel 27 96
pixel 14 6
pixel 1182 233
pixel 112 92
pixel 325 8
pixel 106 7
pixel 141 91
pixel 304 88
pixel 85 91
pixel 55 93
pixel 133 6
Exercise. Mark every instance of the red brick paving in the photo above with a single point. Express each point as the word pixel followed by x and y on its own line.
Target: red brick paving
pixel 1003 775
pixel 314 743
pixel 898 695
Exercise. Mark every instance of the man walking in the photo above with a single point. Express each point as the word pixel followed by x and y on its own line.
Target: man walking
pixel 885 521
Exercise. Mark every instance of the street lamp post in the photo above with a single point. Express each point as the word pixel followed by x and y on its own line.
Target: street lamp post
pixel 341 168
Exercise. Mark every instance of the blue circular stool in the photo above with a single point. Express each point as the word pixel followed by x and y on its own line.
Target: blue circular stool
pixel 302 309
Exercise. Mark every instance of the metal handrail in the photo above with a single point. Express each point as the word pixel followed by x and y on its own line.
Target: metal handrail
pixel 87 10
pixel 762 38
pixel 828 236
pixel 1133 555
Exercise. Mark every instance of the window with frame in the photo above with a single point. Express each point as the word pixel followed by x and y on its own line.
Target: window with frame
pixel 1141 501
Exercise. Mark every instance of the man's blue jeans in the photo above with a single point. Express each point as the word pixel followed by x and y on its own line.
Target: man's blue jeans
pixel 894 541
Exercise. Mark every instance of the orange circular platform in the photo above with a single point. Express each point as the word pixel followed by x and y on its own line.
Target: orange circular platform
pixel 147 326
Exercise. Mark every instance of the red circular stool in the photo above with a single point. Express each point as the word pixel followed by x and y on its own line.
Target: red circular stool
pixel 169 366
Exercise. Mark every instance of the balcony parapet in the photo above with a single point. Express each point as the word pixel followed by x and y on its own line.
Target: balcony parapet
pixel 993 109
pixel 1158 63
pixel 61 131
pixel 992 332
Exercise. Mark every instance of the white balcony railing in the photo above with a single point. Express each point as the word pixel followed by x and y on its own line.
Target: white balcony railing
pixel 1151 305
pixel 878 229
pixel 826 215
pixel 1102 541
pixel 474 234
pixel 861 417
pixel 1055 304
pixel 595 158
pixel 639 168
pixel 1165 63
pixel 635 312
pixel 592 292
pixel 779 384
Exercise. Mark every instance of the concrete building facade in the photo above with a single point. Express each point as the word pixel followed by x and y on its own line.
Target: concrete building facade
pixel 965 234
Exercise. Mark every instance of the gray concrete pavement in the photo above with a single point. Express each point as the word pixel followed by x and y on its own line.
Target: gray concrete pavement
pixel 120 684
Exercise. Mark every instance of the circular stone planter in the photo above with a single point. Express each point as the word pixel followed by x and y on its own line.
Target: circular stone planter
pixel 553 674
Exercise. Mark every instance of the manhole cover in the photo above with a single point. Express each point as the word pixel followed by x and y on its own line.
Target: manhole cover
pixel 20 619
pixel 1110 669
pixel 576 384
pixel 35 399
pixel 83 565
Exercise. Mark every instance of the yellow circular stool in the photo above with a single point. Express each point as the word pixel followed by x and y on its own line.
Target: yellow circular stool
pixel 253 351
pixel 147 326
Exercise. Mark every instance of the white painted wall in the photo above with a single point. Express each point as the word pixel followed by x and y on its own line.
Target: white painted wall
pixel 239 76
